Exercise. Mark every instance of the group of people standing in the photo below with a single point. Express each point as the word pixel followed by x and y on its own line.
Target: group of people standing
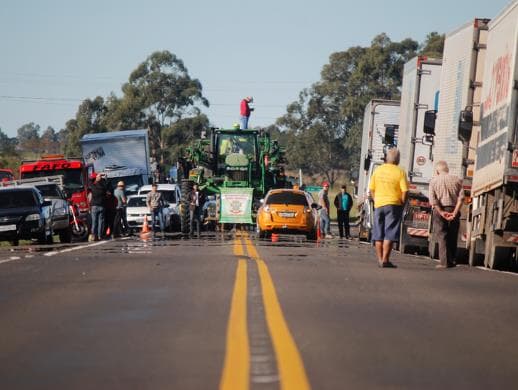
pixel 107 208
pixel 388 188
pixel 343 203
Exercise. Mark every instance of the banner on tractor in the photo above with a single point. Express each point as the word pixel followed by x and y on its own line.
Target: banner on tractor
pixel 236 205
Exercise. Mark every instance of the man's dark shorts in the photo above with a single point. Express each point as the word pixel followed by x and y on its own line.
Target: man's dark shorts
pixel 387 220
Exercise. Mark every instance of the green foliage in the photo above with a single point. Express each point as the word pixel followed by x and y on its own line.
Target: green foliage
pixel 325 122
pixel 29 137
pixel 433 46
pixel 9 157
pixel 49 141
pixel 181 133
pixel 159 95
pixel 89 119
pixel 7 145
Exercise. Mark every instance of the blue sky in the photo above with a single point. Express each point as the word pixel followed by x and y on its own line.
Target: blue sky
pixel 56 53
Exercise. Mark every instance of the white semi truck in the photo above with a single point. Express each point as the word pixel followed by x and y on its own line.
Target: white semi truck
pixel 458 120
pixel 380 131
pixel 419 105
pixel 121 155
pixel 494 225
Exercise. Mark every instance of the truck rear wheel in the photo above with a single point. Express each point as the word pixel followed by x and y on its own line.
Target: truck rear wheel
pixel 186 188
pixel 475 257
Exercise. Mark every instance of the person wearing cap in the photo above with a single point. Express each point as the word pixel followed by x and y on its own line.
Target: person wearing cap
pixel 155 203
pixel 246 111
pixel 323 202
pixel 120 224
pixel 99 191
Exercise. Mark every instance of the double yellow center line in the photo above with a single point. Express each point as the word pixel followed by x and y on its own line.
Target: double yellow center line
pixel 236 370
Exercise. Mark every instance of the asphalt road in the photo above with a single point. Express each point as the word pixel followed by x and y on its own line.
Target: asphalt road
pixel 232 312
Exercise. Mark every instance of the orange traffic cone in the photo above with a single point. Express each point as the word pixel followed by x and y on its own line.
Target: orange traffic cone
pixel 145 233
pixel 319 233
pixel 275 237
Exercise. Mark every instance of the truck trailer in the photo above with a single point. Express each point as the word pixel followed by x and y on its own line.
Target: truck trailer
pixel 419 105
pixel 121 155
pixel 494 226
pixel 459 101
pixel 380 131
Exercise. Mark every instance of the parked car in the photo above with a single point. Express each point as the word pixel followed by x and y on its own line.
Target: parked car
pixel 60 209
pixel 137 210
pixel 172 195
pixel 25 215
pixel 6 175
pixel 287 211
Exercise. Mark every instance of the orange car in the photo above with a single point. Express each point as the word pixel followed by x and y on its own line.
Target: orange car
pixel 287 211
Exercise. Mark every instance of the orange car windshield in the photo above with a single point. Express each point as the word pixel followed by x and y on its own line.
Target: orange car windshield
pixel 290 198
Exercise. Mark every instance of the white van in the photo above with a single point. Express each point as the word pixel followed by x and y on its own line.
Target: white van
pixel 172 196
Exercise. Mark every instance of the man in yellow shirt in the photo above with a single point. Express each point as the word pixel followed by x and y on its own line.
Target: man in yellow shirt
pixel 388 187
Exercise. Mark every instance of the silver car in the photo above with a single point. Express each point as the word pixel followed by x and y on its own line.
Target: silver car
pixel 60 209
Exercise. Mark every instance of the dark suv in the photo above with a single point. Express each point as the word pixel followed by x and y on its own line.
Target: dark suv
pixel 24 215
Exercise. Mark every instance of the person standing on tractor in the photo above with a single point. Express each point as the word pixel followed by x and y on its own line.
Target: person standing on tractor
pixel 155 203
pixel 246 111
pixel 196 201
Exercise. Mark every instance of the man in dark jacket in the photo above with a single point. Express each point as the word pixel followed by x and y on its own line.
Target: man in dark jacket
pixel 99 191
pixel 196 202
pixel 343 203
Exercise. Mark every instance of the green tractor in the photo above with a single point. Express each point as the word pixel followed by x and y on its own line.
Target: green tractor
pixel 234 168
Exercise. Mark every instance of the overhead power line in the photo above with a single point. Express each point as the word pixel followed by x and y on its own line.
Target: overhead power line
pixel 77 100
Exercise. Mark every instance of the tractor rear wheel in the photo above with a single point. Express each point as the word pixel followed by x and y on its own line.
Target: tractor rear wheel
pixel 186 188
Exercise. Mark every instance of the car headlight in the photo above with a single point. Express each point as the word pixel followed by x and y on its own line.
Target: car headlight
pixel 32 217
pixel 60 212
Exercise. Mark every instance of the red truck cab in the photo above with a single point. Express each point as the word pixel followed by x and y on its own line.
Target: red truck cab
pixel 74 171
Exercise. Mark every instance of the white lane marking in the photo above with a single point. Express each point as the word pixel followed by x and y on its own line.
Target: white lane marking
pixel 495 270
pixel 12 258
pixel 75 248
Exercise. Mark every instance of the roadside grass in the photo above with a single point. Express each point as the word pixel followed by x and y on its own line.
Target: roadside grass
pixel 4 244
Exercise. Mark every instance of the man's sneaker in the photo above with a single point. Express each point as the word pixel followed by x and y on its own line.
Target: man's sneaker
pixel 328 236
pixel 388 264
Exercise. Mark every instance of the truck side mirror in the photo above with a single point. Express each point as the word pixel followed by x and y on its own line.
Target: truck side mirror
pixel 465 125
pixel 429 122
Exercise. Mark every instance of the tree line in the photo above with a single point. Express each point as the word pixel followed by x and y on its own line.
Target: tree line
pixel 321 130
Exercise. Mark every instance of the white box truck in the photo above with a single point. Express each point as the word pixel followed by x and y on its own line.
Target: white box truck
pixel 419 105
pixel 494 227
pixel 380 131
pixel 458 119
pixel 121 155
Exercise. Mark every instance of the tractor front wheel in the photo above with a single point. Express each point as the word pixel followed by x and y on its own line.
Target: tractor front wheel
pixel 185 222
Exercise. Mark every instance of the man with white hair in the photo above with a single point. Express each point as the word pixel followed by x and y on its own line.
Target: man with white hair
pixel 388 187
pixel 446 196
pixel 245 111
